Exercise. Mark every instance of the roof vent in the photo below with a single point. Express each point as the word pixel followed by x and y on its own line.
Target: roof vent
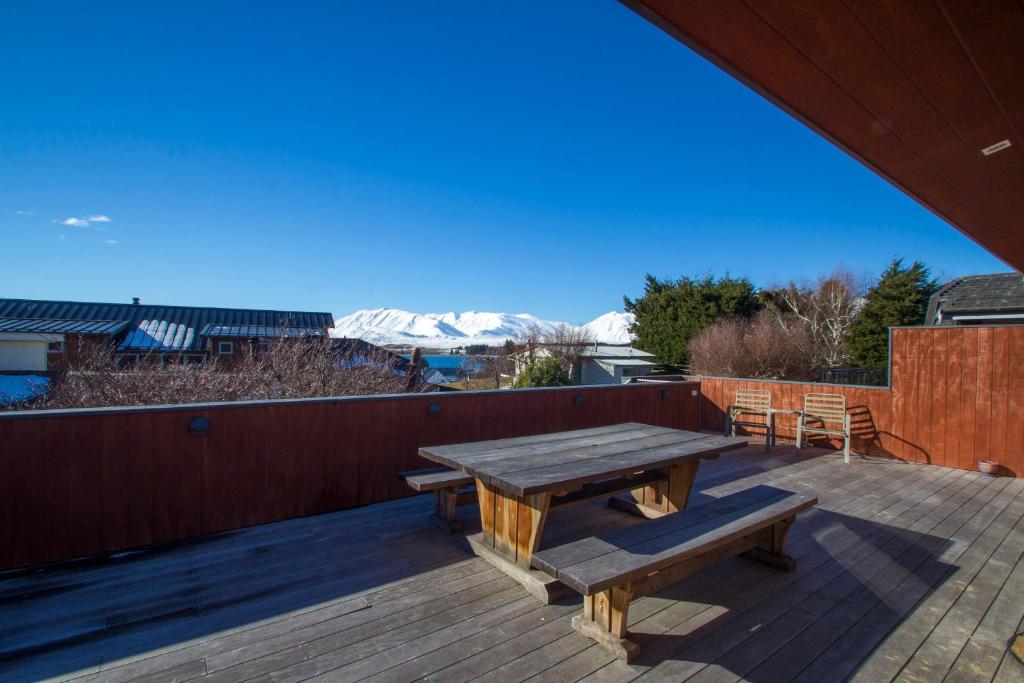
pixel 136 300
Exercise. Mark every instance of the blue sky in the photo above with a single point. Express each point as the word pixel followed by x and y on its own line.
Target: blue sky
pixel 509 156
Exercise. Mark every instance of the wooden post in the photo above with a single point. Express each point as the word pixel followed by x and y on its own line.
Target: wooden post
pixel 511 533
pixel 661 498
pixel 605 618
pixel 771 546
pixel 680 483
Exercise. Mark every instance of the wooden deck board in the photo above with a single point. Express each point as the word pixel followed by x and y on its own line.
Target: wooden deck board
pixel 904 570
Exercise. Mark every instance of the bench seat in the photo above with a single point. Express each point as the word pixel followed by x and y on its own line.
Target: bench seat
pixel 451 489
pixel 612 568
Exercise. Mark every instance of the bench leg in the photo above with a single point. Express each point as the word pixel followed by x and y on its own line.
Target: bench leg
pixel 445 503
pixel 771 546
pixel 604 619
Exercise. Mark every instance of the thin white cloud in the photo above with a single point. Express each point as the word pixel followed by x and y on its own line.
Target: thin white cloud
pixel 62 237
pixel 76 222
pixel 24 213
pixel 110 243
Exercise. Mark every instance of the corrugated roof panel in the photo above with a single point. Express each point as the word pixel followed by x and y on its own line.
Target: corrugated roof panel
pixel 143 321
pixel 259 331
pixel 44 326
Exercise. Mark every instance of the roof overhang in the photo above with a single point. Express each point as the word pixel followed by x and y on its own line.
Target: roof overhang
pixel 923 92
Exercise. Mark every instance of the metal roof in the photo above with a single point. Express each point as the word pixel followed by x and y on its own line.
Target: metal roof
pixel 999 292
pixel 612 351
pixel 259 331
pixel 625 362
pixel 47 326
pixel 161 328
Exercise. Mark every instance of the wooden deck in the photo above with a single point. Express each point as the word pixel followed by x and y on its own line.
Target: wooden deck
pixel 905 571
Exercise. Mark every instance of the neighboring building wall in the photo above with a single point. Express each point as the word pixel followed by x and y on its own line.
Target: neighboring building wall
pixel 75 348
pixel 594 372
pixel 23 355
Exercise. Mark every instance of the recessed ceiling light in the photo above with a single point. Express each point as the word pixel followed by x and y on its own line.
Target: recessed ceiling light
pixel 998 147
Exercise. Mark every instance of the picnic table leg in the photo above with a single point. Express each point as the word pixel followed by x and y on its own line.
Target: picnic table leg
pixel 511 532
pixel 661 498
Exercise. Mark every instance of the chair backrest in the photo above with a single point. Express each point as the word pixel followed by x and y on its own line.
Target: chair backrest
pixel 753 399
pixel 825 407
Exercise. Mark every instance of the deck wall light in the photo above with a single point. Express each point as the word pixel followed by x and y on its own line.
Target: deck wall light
pixel 434 408
pixel 577 400
pixel 199 426
pixel 665 393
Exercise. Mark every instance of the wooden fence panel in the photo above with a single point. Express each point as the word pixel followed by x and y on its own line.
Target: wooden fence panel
pixel 956 396
pixel 77 483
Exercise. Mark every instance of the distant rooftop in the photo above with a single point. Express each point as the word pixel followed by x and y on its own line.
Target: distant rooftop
pixel 158 327
pixel 47 326
pixel 998 293
pixel 614 351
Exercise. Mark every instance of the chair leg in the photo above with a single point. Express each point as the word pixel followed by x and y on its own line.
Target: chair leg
pixel 799 433
pixel 846 440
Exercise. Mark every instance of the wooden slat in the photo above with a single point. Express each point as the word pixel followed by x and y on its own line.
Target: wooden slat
pixel 540 479
pixel 430 480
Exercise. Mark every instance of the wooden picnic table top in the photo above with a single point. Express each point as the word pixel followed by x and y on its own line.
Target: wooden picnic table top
pixel 540 463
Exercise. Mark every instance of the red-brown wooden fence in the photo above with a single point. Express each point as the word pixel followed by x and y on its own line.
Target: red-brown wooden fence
pixel 81 482
pixel 956 396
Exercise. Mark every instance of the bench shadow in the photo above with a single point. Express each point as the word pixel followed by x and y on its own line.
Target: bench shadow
pixel 761 624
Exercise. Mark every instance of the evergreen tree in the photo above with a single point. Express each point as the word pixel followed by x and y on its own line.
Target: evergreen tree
pixel 546 372
pixel 671 313
pixel 900 297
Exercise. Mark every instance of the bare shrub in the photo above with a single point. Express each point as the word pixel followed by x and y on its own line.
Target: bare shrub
pixel 827 310
pixel 288 368
pixel 758 347
pixel 566 343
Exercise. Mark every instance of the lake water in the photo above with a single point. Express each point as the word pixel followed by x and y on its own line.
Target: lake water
pixel 443 362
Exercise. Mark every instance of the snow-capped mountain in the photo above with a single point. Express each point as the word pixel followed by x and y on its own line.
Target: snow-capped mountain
pixel 610 328
pixel 444 330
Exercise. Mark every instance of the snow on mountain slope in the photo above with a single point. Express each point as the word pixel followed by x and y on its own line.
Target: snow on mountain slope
pixel 443 330
pixel 610 328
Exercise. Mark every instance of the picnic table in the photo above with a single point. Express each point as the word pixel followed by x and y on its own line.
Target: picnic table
pixel 518 480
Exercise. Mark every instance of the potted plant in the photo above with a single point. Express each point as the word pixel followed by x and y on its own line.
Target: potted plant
pixel 988 467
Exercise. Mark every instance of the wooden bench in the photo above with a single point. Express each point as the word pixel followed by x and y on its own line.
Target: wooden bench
pixel 451 489
pixel 611 569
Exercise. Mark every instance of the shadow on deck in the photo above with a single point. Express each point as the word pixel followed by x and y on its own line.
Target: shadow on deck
pixel 901 568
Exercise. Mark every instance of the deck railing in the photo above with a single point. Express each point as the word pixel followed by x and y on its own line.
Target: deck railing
pixel 80 482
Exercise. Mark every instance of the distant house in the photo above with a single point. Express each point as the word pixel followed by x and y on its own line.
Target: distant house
pixel 357 352
pixel 448 369
pixel 996 299
pixel 40 335
pixel 599 363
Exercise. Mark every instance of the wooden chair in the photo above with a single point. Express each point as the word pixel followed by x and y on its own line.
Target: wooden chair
pixel 751 403
pixel 820 411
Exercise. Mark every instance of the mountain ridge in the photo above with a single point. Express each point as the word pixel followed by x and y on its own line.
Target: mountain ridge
pixel 445 330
